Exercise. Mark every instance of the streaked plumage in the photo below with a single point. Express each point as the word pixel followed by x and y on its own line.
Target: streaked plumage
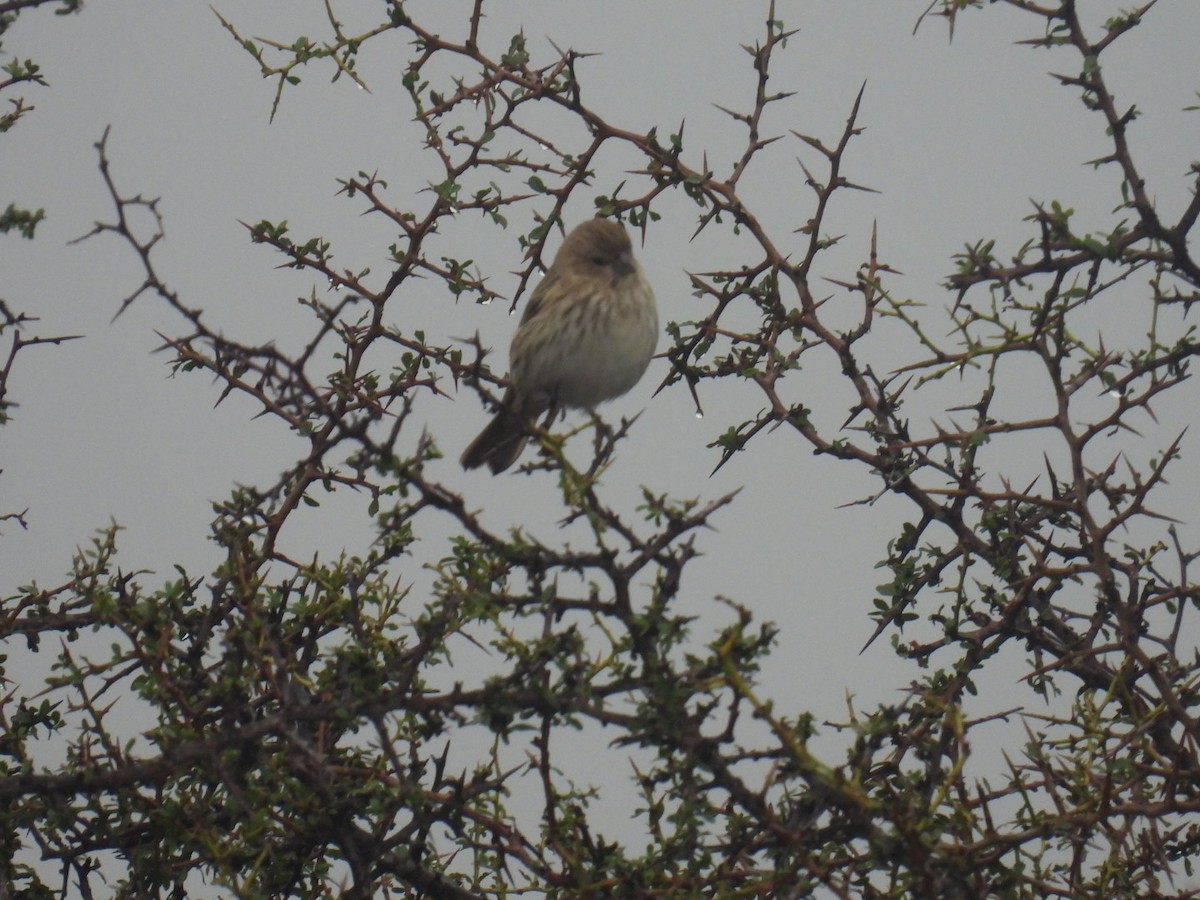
pixel 586 336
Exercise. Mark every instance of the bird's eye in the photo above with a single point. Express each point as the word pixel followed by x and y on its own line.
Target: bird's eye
pixel 599 261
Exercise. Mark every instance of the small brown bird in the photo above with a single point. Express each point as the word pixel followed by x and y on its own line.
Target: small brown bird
pixel 586 336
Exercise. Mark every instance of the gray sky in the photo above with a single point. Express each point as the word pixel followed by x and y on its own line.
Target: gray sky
pixel 959 136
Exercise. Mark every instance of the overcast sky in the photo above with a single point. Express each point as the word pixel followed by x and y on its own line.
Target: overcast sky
pixel 959 136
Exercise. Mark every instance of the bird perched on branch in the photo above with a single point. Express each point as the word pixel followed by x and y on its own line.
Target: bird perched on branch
pixel 586 336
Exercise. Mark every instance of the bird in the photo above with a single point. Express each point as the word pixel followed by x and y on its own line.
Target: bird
pixel 586 336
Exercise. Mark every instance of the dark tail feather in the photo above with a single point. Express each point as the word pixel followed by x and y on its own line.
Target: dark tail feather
pixel 498 445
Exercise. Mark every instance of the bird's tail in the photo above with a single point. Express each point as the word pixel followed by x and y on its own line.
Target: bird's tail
pixel 499 444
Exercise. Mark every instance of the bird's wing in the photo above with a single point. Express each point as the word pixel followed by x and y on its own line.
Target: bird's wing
pixel 537 299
